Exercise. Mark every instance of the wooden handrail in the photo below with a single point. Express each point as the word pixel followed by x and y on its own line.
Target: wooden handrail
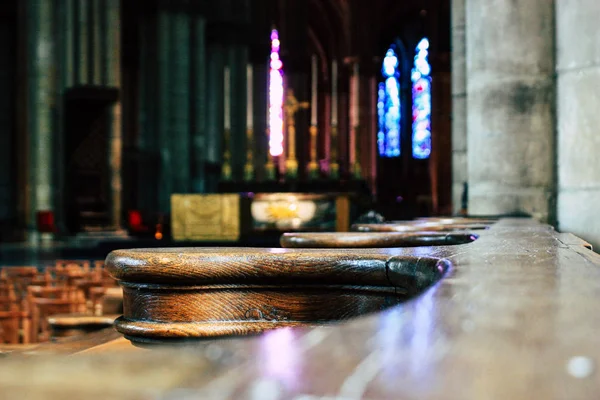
pixel 373 239
pixel 189 293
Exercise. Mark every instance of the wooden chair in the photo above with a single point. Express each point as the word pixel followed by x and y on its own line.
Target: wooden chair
pixel 11 317
pixel 20 277
pixel 9 326
pixel 7 289
pixel 46 301
pixel 83 265
pixel 106 300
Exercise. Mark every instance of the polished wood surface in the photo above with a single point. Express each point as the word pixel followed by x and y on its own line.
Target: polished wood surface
pixel 373 239
pixel 80 319
pixel 61 346
pixel 191 293
pixel 516 317
pixel 66 325
pixel 417 226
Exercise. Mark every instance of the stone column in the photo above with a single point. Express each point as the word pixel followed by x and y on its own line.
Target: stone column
pixel 7 139
pixel 63 62
pixel 81 35
pixel 147 167
pixel 163 111
pixel 70 31
pixel 578 117
pixel 40 104
pixel 510 100
pixel 214 117
pixel 238 60
pixel 113 71
pixel 97 45
pixel 198 155
pixel 459 104
pixel 179 101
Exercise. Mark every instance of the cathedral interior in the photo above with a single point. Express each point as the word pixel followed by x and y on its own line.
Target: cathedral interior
pixel 400 190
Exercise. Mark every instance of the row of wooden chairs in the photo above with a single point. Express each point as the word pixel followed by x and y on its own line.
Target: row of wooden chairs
pixel 28 296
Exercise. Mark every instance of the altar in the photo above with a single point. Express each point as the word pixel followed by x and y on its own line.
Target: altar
pixel 318 196
pixel 236 216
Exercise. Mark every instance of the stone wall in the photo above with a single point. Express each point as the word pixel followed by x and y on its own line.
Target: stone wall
pixel 578 117
pixel 532 76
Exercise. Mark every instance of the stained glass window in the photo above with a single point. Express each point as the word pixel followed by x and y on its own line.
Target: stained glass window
pixel 388 107
pixel 421 109
pixel 275 98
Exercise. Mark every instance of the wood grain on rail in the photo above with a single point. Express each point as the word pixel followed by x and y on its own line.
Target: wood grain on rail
pixel 373 239
pixel 419 226
pixel 200 292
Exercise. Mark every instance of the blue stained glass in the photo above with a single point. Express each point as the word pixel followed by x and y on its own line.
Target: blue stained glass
pixel 388 107
pixel 421 93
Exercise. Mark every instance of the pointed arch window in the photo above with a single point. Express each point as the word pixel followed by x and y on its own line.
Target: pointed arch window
pixel 421 99
pixel 388 107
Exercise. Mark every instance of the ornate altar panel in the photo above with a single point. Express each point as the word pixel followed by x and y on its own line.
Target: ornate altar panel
pixel 206 217
pixel 294 211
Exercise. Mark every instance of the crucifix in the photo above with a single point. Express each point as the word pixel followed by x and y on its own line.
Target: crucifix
pixel 291 106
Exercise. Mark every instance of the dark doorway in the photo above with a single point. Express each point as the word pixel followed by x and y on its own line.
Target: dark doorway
pixel 87 173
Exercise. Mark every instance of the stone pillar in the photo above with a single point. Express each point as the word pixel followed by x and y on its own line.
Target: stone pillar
pixel 238 60
pixel 70 31
pixel 163 110
pixel 147 167
pixel 510 100
pixel 214 117
pixel 459 104
pixel 81 35
pixel 179 102
pixel 578 117
pixel 40 105
pixel 198 155
pixel 7 123
pixel 97 42
pixel 113 71
pixel 64 76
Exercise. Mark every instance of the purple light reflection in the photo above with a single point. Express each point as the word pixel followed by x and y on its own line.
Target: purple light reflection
pixel 275 98
pixel 280 356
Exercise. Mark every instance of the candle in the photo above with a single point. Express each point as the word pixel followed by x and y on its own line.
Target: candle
pixel 334 102
pixel 249 99
pixel 227 96
pixel 268 100
pixel 313 110
pixel 356 96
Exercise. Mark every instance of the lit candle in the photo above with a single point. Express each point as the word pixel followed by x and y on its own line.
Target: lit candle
pixel 334 102
pixel 227 96
pixel 313 110
pixel 249 99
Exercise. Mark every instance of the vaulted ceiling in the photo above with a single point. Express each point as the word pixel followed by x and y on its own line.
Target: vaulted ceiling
pixel 365 27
